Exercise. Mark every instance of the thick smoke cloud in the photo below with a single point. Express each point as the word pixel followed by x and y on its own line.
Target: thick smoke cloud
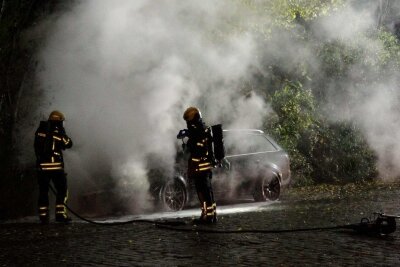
pixel 374 105
pixel 124 72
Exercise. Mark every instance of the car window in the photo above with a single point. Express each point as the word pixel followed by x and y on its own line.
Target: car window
pixel 246 143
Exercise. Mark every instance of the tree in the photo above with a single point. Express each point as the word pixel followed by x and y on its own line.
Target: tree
pixel 294 107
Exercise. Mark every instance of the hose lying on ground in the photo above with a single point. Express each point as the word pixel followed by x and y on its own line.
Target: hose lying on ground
pixel 101 223
pixel 249 231
pixel 382 225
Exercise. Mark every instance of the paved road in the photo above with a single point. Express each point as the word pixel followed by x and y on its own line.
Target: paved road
pixel 26 243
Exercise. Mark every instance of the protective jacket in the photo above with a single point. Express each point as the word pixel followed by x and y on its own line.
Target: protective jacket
pixel 200 147
pixel 50 140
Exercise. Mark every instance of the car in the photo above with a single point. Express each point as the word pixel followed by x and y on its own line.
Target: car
pixel 254 165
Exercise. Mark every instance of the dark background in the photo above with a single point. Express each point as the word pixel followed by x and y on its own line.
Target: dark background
pixel 15 57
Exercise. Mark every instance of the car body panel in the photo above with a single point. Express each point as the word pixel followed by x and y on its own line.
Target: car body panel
pixel 251 157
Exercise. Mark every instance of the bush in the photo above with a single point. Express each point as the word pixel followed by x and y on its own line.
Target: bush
pixel 294 107
pixel 338 154
pixel 320 151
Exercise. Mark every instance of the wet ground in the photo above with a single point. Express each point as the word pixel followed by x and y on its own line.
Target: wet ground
pixel 26 243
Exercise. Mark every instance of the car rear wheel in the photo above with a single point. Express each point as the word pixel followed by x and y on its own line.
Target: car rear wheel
pixel 267 189
pixel 173 195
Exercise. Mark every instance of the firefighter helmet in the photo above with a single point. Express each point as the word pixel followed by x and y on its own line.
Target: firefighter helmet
pixel 56 116
pixel 192 113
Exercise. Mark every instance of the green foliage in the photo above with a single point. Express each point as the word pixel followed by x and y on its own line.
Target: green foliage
pixel 285 12
pixel 389 54
pixel 294 107
pixel 275 14
pixel 320 151
pixel 336 58
pixel 338 152
pixel 375 53
pixel 288 11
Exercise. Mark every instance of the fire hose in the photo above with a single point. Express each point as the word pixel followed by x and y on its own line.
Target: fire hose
pixel 381 224
pixel 98 222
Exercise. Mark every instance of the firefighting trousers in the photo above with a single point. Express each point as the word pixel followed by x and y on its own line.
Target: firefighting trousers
pixel 205 193
pixel 59 180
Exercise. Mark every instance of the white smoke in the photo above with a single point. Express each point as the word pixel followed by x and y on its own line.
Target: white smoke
pixel 124 72
pixel 379 114
pixel 373 106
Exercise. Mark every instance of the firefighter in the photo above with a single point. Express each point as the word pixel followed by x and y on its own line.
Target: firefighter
pixel 50 141
pixel 200 163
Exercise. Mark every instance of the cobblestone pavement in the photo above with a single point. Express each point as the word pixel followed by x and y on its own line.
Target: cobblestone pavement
pixel 143 244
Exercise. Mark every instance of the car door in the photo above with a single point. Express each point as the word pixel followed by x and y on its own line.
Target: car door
pixel 247 154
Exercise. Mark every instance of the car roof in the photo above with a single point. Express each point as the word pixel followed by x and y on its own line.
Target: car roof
pixel 254 131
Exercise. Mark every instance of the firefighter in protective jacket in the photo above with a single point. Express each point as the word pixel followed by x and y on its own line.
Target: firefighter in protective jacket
pixel 201 162
pixel 50 140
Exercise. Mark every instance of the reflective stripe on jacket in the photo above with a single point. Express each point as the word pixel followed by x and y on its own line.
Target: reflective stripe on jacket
pixel 200 146
pixel 48 147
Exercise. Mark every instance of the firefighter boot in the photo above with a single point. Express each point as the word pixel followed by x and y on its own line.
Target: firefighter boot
pixel 61 214
pixel 44 215
pixel 210 214
pixel 203 216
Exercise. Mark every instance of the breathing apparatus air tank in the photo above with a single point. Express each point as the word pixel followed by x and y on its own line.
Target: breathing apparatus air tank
pixel 218 142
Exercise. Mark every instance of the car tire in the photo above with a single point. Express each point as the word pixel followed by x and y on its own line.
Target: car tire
pixel 173 195
pixel 267 188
